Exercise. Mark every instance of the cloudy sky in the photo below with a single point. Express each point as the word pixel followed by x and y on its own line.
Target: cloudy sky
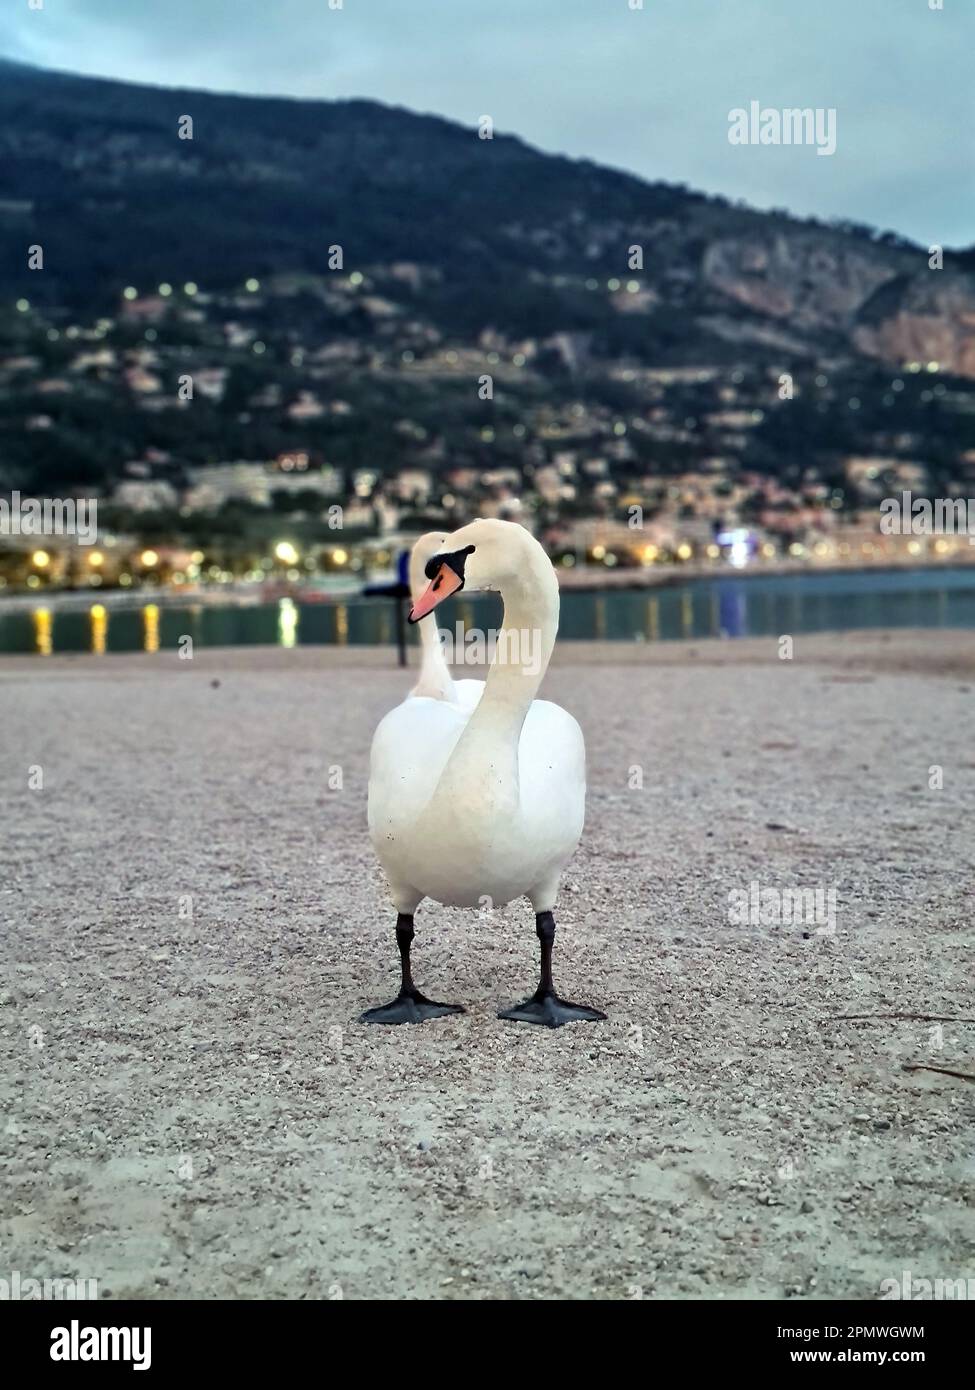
pixel 648 90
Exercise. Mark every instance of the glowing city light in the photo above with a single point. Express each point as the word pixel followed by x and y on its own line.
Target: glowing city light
pixel 738 543
pixel 287 622
pixel 40 559
pixel 286 553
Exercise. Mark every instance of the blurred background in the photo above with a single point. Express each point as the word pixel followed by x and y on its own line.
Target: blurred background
pixel 280 295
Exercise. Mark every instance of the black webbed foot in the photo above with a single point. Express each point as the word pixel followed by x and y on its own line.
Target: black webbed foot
pixel 409 1007
pixel 551 1012
pixel 545 1007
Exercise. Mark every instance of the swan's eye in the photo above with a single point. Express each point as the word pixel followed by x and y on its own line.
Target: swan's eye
pixel 453 559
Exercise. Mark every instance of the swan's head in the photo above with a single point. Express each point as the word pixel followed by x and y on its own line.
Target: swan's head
pixel 486 554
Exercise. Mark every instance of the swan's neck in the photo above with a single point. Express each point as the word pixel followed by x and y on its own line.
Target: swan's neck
pixel 485 760
pixel 435 680
pixel 524 647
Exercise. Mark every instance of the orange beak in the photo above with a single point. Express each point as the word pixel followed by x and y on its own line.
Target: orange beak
pixel 444 583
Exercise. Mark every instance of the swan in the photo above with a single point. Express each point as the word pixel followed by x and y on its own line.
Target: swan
pixel 476 789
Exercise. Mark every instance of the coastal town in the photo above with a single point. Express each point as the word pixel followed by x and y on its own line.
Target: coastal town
pixel 223 444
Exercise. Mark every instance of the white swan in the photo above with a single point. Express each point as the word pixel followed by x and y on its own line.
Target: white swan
pixel 476 789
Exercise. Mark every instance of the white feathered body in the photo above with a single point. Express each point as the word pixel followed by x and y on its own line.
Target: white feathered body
pixel 465 849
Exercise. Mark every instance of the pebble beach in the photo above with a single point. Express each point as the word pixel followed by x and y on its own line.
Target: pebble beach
pixel 192 920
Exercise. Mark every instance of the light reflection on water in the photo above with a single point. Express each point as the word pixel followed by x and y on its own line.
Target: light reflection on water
pixel 287 623
pixel 42 631
pixel 99 629
pixel 728 606
pixel 652 628
pixel 687 615
pixel 150 617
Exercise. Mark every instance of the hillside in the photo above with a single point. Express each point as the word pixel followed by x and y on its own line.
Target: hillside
pixel 460 256
pixel 96 173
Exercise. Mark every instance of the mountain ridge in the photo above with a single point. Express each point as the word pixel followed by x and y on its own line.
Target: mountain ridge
pixel 278 145
pixel 591 296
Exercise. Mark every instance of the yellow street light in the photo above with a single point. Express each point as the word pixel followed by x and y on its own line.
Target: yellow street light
pixel 286 553
pixel 149 559
pixel 40 559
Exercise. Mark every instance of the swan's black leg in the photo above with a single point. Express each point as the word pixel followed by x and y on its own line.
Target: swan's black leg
pixel 545 1006
pixel 409 1006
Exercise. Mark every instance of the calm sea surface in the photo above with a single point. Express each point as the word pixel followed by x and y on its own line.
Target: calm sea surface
pixel 711 607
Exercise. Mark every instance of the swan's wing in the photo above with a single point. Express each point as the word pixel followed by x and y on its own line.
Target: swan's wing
pixel 552 765
pixel 409 751
pixel 469 694
pixel 552 740
pixel 552 790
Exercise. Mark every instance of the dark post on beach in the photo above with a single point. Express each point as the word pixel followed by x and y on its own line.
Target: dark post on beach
pixel 398 591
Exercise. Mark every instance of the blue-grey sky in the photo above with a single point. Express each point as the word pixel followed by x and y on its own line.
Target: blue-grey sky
pixel 648 90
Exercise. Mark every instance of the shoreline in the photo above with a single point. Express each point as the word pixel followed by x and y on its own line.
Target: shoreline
pixel 933 651
pixel 587 579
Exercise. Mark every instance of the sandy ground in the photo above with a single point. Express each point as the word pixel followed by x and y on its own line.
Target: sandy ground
pixel 192 921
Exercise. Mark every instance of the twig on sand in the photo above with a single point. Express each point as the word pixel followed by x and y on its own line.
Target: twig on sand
pixel 923 1018
pixel 945 1071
